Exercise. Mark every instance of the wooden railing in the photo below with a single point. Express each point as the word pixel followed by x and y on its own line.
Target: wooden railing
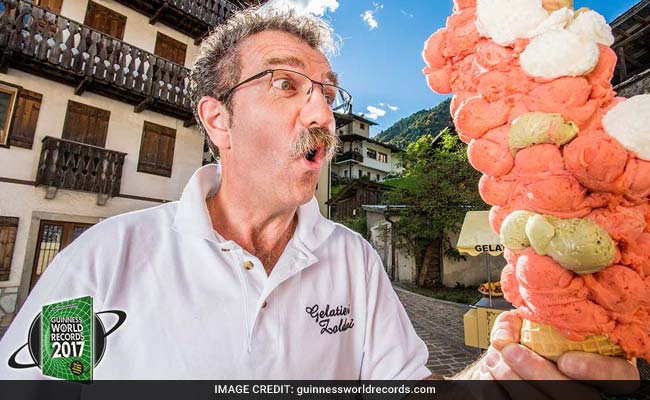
pixel 349 156
pixel 77 51
pixel 65 164
pixel 212 12
pixel 194 18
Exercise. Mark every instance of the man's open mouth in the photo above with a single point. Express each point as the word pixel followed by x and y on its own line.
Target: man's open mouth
pixel 315 156
pixel 311 155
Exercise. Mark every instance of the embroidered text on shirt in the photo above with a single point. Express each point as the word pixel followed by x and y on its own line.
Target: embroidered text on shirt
pixel 324 318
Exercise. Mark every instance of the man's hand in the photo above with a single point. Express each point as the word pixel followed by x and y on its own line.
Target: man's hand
pixel 506 359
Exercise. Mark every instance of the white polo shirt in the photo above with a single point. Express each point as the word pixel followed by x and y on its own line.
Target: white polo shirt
pixel 195 311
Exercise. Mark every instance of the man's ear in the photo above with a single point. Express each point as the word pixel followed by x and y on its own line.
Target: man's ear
pixel 216 121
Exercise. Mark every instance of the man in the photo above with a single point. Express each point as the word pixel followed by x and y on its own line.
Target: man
pixel 243 278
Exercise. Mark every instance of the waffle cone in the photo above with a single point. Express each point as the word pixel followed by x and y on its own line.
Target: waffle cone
pixel 549 343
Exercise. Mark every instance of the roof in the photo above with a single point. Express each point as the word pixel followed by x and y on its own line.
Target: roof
pixel 349 117
pixel 631 32
pixel 351 190
pixel 353 137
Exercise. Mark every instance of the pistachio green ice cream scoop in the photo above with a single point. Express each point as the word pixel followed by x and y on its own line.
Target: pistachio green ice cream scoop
pixel 578 244
pixel 540 128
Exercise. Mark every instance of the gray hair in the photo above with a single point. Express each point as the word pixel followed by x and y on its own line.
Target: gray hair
pixel 217 67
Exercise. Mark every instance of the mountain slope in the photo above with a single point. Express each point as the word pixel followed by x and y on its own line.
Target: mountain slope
pixel 409 129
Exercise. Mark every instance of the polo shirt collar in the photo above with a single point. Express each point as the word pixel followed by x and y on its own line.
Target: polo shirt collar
pixel 193 218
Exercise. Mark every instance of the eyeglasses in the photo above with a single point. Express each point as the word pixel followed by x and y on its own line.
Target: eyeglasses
pixel 291 84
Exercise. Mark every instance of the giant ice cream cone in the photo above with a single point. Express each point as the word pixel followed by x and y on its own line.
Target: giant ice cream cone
pixel 565 163
pixel 549 343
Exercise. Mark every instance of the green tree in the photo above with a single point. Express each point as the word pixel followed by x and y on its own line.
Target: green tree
pixel 439 186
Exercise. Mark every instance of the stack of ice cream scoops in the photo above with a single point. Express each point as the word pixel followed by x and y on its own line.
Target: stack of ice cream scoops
pixel 565 163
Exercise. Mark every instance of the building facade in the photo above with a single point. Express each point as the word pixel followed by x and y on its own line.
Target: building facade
pixel 630 29
pixel 96 120
pixel 360 156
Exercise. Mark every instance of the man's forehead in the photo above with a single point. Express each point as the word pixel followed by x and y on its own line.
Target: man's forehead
pixel 274 49
pixel 296 62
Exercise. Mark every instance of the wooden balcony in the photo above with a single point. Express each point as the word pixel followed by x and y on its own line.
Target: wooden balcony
pixel 50 45
pixel 348 156
pixel 65 164
pixel 192 17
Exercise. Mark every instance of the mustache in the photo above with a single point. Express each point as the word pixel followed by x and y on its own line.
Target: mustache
pixel 312 138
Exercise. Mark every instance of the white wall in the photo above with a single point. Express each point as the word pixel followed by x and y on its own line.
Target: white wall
pixel 138 31
pixel 374 163
pixel 124 134
pixel 380 237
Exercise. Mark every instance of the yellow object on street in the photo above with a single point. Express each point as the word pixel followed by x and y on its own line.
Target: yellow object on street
pixel 478 322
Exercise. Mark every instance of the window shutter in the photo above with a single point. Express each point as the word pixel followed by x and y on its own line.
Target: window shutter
pixel 28 106
pixel 86 124
pixel 105 20
pixel 157 149
pixel 8 229
pixel 51 5
pixel 148 150
pixel 170 49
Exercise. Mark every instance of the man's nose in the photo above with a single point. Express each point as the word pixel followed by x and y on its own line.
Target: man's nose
pixel 316 112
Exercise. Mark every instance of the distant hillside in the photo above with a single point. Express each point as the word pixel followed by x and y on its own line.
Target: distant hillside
pixel 409 129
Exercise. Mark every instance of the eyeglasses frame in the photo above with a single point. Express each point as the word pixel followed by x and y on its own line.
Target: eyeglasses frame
pixel 226 96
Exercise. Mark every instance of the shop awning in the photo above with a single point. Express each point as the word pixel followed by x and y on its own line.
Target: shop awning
pixel 477 236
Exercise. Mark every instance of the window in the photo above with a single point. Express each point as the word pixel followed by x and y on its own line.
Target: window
pixel 378 178
pixel 383 158
pixel 363 126
pixel 170 49
pixel 8 229
pixel 86 124
pixel 50 5
pixel 345 173
pixel 157 149
pixel 8 95
pixel 23 128
pixel 53 236
pixel 105 20
pixel 371 154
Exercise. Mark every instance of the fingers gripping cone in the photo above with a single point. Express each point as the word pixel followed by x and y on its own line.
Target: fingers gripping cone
pixel 549 343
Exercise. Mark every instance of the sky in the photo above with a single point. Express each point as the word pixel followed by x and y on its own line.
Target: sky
pixel 379 61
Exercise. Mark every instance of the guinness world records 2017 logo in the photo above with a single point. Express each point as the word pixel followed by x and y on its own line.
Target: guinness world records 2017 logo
pixel 34 339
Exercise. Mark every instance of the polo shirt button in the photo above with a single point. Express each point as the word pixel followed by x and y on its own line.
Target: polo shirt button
pixel 248 265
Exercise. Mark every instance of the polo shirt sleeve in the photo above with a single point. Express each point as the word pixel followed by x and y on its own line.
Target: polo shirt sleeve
pixel 392 349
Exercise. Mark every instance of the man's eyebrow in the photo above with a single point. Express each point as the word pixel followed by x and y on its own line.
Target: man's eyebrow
pixel 289 60
pixel 333 77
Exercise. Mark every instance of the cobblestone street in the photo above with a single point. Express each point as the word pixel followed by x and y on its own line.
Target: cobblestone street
pixel 440 325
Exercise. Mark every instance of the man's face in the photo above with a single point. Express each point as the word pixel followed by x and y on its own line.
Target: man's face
pixel 264 126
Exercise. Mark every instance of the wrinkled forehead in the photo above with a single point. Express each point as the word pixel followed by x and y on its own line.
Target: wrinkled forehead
pixel 267 50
